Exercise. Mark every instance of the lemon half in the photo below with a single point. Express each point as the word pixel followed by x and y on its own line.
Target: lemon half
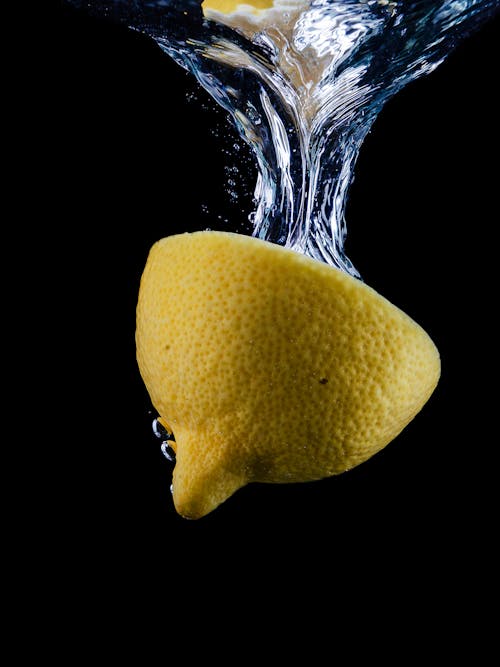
pixel 230 6
pixel 250 16
pixel 270 366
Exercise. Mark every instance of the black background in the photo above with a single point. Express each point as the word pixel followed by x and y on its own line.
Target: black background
pixel 138 161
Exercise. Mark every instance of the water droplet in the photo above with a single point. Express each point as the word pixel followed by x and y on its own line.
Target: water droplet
pixel 159 430
pixel 167 451
pixel 166 437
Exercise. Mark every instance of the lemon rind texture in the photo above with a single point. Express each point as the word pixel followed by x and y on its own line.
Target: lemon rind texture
pixel 271 366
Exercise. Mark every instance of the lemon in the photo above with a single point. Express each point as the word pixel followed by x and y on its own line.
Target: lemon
pixel 250 16
pixel 230 6
pixel 270 366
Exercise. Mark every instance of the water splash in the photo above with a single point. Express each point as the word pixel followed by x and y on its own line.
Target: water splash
pixel 303 82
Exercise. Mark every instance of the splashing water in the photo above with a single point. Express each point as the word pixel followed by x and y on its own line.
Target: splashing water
pixel 303 81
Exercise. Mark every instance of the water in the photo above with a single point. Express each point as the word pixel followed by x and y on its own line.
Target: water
pixel 303 82
pixel 166 437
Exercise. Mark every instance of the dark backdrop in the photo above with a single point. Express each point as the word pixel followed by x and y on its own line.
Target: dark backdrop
pixel 139 160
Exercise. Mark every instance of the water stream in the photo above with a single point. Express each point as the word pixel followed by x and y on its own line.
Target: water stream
pixel 303 82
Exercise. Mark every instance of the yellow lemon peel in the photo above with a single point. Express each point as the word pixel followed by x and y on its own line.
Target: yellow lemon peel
pixel 270 366
pixel 251 16
pixel 230 6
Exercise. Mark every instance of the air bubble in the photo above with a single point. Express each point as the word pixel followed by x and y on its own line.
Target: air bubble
pixel 167 438
pixel 160 431
pixel 167 451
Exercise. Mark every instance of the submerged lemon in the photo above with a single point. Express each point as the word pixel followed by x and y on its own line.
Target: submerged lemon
pixel 270 366
pixel 230 6
pixel 249 16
